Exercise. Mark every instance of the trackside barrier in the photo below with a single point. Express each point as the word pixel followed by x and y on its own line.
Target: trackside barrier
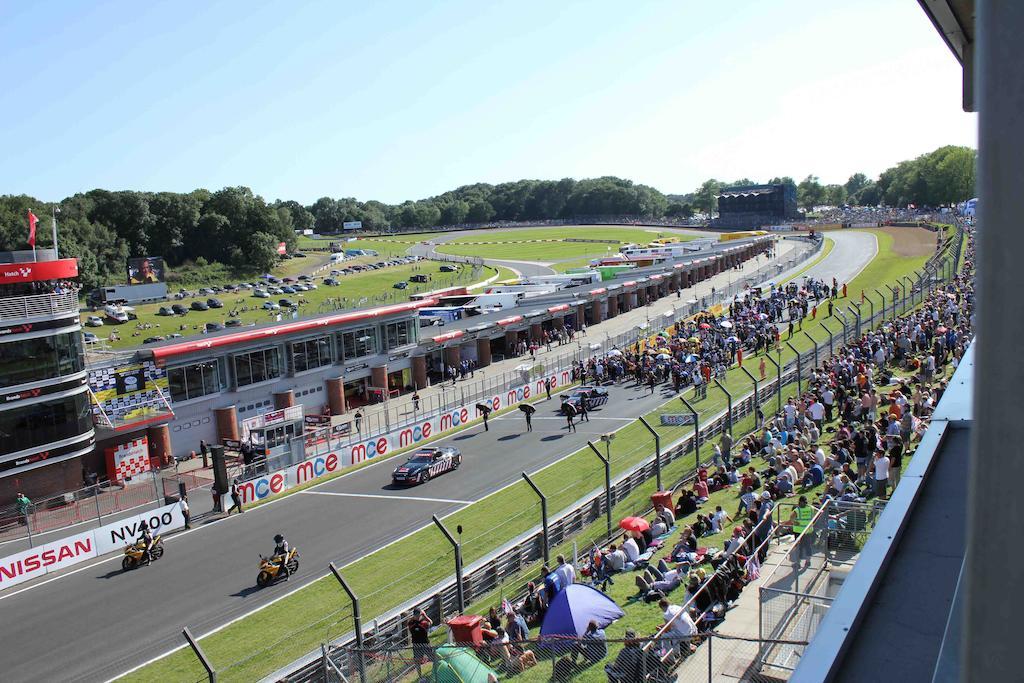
pixel 56 555
pixel 487 575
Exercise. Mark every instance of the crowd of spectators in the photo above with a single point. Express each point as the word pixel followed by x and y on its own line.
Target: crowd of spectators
pixel 844 439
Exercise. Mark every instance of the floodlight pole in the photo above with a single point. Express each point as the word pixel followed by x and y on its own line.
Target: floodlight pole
pixel 607 484
pixel 543 516
pixel 657 450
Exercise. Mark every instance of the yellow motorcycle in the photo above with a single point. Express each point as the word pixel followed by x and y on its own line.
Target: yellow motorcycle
pixel 134 553
pixel 270 567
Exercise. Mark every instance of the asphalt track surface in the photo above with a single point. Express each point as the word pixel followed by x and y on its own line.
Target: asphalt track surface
pixel 95 622
pixel 852 252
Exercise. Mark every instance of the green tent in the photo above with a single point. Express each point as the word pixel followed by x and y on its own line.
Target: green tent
pixel 460 665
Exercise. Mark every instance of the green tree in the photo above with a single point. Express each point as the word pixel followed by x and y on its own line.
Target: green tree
pixel 810 192
pixel 855 184
pixel 705 199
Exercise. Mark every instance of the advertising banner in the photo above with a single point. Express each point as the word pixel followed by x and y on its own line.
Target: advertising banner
pixel 56 555
pixel 129 392
pixel 352 225
pixel 61 269
pixel 382 445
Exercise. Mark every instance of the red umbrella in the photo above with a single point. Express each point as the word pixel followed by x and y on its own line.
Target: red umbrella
pixel 704 326
pixel 637 524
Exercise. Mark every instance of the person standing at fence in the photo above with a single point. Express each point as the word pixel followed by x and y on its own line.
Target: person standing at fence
pixel 24 504
pixel 418 626
pixel 547 387
pixel 359 421
pixel 800 519
pixel 236 498
pixel 205 450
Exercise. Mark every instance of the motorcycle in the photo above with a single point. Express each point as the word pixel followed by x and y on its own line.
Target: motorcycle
pixel 270 567
pixel 134 553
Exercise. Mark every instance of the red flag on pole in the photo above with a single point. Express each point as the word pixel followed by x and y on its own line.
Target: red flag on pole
pixel 32 220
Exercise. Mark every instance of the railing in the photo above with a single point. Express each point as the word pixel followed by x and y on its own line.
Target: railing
pixel 38 306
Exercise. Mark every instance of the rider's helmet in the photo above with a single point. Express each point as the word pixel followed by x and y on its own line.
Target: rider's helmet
pixel 143 526
pixel 278 538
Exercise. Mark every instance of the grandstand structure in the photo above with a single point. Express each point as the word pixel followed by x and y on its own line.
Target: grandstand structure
pixel 751 206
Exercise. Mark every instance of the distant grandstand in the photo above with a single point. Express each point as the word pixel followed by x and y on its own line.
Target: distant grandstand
pixel 751 206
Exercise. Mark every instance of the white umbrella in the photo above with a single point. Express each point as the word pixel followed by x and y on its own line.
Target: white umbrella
pixel 615 352
pixel 663 356
pixel 726 324
pixel 595 347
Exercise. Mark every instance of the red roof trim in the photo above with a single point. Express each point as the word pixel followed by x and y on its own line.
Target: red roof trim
pixel 558 308
pixel 510 321
pixel 595 292
pixel 448 336
pixel 268 333
pixel 631 283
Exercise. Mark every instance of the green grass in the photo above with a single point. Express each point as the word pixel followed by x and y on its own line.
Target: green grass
pixel 506 274
pixel 508 244
pixel 384 246
pixel 361 289
pixel 563 266
pixel 388 577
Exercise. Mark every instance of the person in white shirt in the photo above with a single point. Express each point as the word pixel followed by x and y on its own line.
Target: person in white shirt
pixel 817 411
pixel 681 627
pixel 631 549
pixel 881 467
pixel 736 542
pixel 719 518
pixel 828 398
pixel 819 456
pixel 566 572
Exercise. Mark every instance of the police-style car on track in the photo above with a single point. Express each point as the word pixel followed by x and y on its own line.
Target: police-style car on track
pixel 594 396
pixel 425 463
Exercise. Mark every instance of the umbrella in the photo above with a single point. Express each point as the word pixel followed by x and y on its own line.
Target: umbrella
pixel 595 347
pixel 484 408
pixel 694 339
pixel 691 359
pixel 615 352
pixel 762 316
pixel 733 338
pixel 637 524
pixel 704 326
pixel 726 324
pixel 574 608
pixel 663 356
pixel 527 408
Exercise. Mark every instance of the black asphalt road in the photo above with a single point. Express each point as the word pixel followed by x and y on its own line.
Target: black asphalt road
pixel 95 623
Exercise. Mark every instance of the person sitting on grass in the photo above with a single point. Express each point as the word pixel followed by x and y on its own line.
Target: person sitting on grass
pixel 686 548
pixel 592 645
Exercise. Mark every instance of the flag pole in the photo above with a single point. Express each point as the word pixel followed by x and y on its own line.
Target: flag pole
pixel 56 254
pixel 32 233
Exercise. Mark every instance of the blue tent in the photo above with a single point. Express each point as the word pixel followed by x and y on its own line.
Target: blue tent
pixel 575 607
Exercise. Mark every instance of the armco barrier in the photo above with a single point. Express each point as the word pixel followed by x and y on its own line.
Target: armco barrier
pixel 41 560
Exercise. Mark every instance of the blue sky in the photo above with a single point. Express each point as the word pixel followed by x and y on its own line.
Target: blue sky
pixel 404 100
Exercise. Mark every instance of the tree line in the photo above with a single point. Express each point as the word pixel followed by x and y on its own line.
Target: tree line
pixel 240 229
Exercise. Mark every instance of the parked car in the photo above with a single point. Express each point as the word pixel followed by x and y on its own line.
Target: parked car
pixel 311 286
pixel 287 290
pixel 448 269
pixel 232 322
pixel 179 309
pixel 286 303
pixel 152 340
pixel 260 294
pixel 400 285
pixel 300 287
pixel 330 281
pixel 214 327
pixel 271 306
pixel 200 306
pixel 276 290
pixel 214 303
pixel 305 278
pixel 419 278
pixel 205 290
pixel 94 321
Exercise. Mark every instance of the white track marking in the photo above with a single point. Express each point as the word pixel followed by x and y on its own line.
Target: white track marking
pixel 373 495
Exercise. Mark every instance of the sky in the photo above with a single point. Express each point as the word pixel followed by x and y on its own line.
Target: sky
pixel 405 100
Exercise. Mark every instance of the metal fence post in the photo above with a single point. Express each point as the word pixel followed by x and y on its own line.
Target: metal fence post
pixel 815 343
pixel 461 596
pixel 543 517
pixel 904 279
pixel 657 450
pixel 778 378
pixel 799 370
pixel 846 323
pixel 728 403
pixel 871 303
pixel 696 431
pixel 757 397
pixel 855 309
pixel 156 485
pixel 357 621
pixel 831 339
pixel 607 484
pixel 211 673
pixel 882 297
